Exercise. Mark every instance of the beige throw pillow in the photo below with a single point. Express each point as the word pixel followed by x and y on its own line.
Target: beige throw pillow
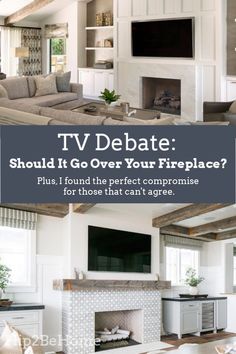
pixel 3 92
pixel 161 121
pixel 46 85
pixel 232 108
pixel 11 342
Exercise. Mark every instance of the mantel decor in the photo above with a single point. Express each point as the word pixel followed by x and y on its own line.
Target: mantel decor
pixel 79 285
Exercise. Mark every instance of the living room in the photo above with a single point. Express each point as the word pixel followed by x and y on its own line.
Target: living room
pixel 78 279
pixel 107 55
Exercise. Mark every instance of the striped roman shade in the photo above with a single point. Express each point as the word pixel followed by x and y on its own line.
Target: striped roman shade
pixel 18 219
pixel 182 242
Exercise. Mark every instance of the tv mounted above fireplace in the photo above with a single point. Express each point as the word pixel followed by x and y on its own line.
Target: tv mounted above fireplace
pixel 172 38
pixel 118 251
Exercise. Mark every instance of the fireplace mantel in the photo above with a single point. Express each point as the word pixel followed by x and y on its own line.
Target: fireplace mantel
pixel 78 285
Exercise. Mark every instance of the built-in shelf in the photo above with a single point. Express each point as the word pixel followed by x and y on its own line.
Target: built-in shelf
pixel 99 48
pixel 98 28
pixel 77 285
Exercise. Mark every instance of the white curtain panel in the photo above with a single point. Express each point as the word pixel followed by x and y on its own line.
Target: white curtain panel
pixel 10 39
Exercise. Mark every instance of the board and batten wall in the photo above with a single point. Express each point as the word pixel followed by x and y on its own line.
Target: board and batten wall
pixel 210 49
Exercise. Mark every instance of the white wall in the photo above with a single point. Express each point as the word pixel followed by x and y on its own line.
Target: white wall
pixel 210 22
pixel 51 234
pixel 75 16
pixel 78 243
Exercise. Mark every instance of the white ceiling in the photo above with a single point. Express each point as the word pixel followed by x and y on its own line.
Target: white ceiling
pixel 154 210
pixel 8 7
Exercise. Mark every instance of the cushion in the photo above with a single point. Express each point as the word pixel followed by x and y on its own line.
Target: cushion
pixel 45 85
pixel 11 341
pixel 32 84
pixel 13 117
pixel 232 108
pixel 16 87
pixel 19 106
pixel 63 82
pixel 49 100
pixel 72 117
pixel 29 342
pixel 161 121
pixel 3 92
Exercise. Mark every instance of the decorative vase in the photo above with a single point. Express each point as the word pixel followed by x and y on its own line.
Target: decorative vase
pixel 193 290
pixel 110 105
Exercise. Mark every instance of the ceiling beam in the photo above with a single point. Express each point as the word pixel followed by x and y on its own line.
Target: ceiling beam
pixel 226 235
pixel 186 213
pixel 216 227
pixel 26 11
pixel 180 231
pixel 55 210
pixel 82 208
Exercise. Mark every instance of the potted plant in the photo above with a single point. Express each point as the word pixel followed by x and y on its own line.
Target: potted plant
pixel 192 280
pixel 110 97
pixel 5 274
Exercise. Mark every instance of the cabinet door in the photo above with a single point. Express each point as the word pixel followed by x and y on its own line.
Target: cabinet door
pixel 190 322
pixel 110 84
pixel 221 314
pixel 231 90
pixel 86 78
pixel 100 83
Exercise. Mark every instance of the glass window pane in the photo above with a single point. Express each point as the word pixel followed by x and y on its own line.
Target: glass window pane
pixel 58 58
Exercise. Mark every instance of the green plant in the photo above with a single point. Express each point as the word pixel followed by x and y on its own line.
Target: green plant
pixel 109 96
pixel 58 46
pixel 5 274
pixel 192 279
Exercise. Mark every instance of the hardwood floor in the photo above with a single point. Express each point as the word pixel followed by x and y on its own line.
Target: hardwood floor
pixel 205 338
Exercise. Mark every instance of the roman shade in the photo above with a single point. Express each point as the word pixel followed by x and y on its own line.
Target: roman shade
pixel 182 242
pixel 234 251
pixel 58 30
pixel 18 219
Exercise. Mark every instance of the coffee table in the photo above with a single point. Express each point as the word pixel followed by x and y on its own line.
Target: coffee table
pixel 115 112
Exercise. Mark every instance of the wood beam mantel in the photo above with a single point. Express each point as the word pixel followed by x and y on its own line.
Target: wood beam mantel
pixel 186 213
pixel 26 11
pixel 82 208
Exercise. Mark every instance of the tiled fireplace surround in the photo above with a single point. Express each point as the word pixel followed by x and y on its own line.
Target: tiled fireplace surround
pixel 81 307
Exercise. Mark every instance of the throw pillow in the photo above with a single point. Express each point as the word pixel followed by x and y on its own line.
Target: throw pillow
pixel 232 108
pixel 27 341
pixel 63 82
pixel 3 92
pixel 161 121
pixel 45 86
pixel 12 342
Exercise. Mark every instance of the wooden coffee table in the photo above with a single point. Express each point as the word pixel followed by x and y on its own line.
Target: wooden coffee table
pixel 115 112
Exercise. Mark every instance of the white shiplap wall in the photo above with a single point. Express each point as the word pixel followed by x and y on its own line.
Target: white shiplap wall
pixel 209 37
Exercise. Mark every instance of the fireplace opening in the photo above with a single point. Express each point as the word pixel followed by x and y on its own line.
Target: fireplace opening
pixel 163 95
pixel 118 329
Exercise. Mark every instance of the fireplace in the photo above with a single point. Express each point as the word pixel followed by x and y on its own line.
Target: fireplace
pixel 161 94
pixel 118 329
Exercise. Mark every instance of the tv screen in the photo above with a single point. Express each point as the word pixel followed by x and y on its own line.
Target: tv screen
pixel 118 251
pixel 164 38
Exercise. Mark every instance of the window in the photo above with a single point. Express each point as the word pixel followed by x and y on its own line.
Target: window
pixel 57 55
pixel 17 251
pixel 178 260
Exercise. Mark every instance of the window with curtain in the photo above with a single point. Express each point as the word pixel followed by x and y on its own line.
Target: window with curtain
pixel 10 39
pixel 179 255
pixel 18 247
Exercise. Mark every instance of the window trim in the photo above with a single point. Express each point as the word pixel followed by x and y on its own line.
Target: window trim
pixel 179 285
pixel 31 261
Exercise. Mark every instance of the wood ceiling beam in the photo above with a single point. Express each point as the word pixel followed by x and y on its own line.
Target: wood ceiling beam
pixel 26 11
pixel 82 208
pixel 55 210
pixel 215 227
pixel 186 213
pixel 180 231
pixel 226 235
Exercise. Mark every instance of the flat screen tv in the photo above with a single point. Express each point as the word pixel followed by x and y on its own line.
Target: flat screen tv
pixel 163 38
pixel 118 251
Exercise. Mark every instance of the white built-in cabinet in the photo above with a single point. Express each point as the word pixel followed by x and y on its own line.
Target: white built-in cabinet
pixel 95 80
pixel 231 88
pixel 30 321
pixel 185 317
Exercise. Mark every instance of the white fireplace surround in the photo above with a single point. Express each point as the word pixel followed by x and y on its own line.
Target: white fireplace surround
pixel 80 309
pixel 131 88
